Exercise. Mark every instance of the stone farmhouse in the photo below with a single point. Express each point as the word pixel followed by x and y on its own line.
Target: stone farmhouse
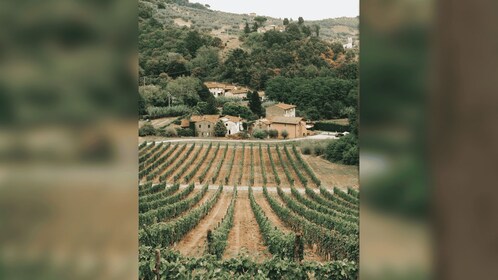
pixel 228 90
pixel 282 117
pixel 281 110
pixel 204 124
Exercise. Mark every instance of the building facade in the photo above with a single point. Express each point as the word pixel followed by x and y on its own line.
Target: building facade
pixel 232 124
pixel 281 110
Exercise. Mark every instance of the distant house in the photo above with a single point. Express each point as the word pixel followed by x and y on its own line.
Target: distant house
pixel 204 124
pixel 349 45
pixel 281 110
pixel 262 96
pixel 294 126
pixel 233 124
pixel 217 89
pixel 273 27
pixel 228 90
pixel 237 92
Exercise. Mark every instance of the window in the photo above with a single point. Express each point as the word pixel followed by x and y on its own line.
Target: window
pixel 209 126
pixel 199 126
pixel 226 124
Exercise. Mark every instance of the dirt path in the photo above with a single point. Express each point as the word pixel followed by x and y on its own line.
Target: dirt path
pixel 246 171
pixel 245 236
pixel 212 160
pixel 280 170
pixel 234 176
pixel 269 171
pixel 258 176
pixel 309 252
pixel 194 243
pixel 225 166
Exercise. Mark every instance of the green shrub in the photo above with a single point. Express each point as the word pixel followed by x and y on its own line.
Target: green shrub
pixel 147 129
pixel 306 150
pixel 273 133
pixel 260 134
pixel 319 149
pixel 344 150
pixel 169 132
pixel 285 134
pixel 185 132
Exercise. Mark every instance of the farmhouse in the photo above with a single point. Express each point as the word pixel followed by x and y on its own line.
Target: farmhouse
pixel 281 110
pixel 294 126
pixel 217 89
pixel 228 90
pixel 233 124
pixel 204 125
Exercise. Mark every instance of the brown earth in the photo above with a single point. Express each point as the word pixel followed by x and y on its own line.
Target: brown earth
pixel 258 174
pixel 280 169
pixel 270 177
pixel 234 177
pixel 214 159
pixel 245 237
pixel 246 173
pixel 194 243
pixel 333 174
pixel 226 165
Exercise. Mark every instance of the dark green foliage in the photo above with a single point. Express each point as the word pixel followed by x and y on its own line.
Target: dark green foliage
pixel 255 103
pixel 146 130
pixel 210 267
pixel 235 109
pixel 141 106
pixel 318 98
pixel 273 133
pixel 260 134
pixel 285 134
pixel 185 132
pixel 329 126
pixel 344 150
pixel 247 29
pixel 220 129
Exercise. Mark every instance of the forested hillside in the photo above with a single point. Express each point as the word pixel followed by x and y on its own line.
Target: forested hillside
pixel 296 66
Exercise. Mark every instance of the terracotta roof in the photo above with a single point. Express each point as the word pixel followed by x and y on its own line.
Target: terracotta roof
pixel 285 106
pixel 261 93
pixel 232 118
pixel 239 91
pixel 209 118
pixel 286 120
pixel 185 123
pixel 264 121
pixel 214 85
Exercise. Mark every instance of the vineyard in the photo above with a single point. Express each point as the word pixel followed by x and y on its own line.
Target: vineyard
pixel 242 211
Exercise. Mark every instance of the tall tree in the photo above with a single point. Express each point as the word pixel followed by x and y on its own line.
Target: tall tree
pixel 247 29
pixel 219 129
pixel 255 103
pixel 255 27
pixel 260 20
pixel 300 20
pixel 286 21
